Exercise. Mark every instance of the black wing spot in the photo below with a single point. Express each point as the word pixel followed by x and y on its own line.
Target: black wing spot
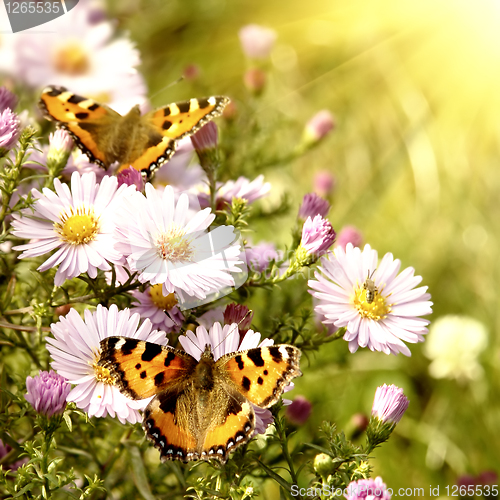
pixel 256 357
pixel 144 374
pixel 82 116
pixel 129 346
pixel 260 380
pixel 75 99
pixel 184 106
pixel 151 351
pixel 167 405
pixel 276 354
pixel 266 372
pixel 170 357
pixel 166 125
pixel 245 382
pixel 93 107
pixel 239 362
pixel 203 103
pixel 138 366
pixel 159 378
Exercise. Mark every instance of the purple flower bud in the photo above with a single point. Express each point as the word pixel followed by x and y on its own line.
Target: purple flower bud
pixel 206 138
pixel 319 126
pixel 313 205
pixel 349 234
pixel 238 313
pixel 131 177
pixel 60 141
pixel 47 393
pixel 389 404
pixel 257 41
pixel 324 183
pixel 191 72
pixel 7 99
pixel 10 129
pixel 255 80
pixel 260 255
pixel 4 449
pixel 299 411
pixel 317 235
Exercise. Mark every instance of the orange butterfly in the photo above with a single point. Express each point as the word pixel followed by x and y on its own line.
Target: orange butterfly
pixel 144 142
pixel 201 409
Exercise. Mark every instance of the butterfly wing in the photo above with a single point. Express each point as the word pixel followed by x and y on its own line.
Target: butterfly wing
pixel 261 374
pixel 182 119
pixel 231 424
pixel 143 369
pixel 88 122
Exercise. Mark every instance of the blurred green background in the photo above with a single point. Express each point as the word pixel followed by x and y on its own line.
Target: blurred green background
pixel 414 87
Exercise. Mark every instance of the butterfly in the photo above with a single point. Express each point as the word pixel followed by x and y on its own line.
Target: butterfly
pixel 144 142
pixel 201 409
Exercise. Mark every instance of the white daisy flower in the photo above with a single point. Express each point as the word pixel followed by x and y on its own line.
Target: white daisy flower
pixel 75 350
pixel 379 308
pixel 224 340
pixel 78 223
pixel 82 56
pixel 161 310
pixel 166 241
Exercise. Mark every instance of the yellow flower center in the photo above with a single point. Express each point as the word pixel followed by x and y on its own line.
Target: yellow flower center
pixel 377 309
pixel 159 300
pixel 78 227
pixel 102 374
pixel 173 246
pixel 71 59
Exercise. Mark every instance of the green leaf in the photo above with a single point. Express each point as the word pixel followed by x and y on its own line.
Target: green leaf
pixel 139 473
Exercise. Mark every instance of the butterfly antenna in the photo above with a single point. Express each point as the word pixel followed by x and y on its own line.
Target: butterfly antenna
pixel 171 84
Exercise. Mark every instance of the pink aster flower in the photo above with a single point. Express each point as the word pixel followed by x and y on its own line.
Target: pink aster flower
pixel 392 314
pixel 319 126
pixel 7 99
pixel 260 255
pixel 299 411
pixel 224 340
pixel 166 242
pixel 239 314
pixel 75 351
pixel 77 223
pixel 318 236
pixel 313 205
pixel 131 177
pixel 161 310
pixel 349 234
pixel 242 188
pixel 324 183
pixel 47 393
pixel 10 130
pixel 389 404
pixel 206 138
pixel 367 489
pixel 257 41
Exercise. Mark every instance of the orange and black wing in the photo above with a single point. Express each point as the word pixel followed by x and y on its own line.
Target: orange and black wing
pixel 182 119
pixel 88 122
pixel 261 374
pixel 143 369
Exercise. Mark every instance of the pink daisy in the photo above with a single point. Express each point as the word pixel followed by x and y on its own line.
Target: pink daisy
pixel 77 223
pixel 379 308
pixel 75 350
pixel 166 241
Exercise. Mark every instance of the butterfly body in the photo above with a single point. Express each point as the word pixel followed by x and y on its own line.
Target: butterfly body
pixel 201 409
pixel 144 142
